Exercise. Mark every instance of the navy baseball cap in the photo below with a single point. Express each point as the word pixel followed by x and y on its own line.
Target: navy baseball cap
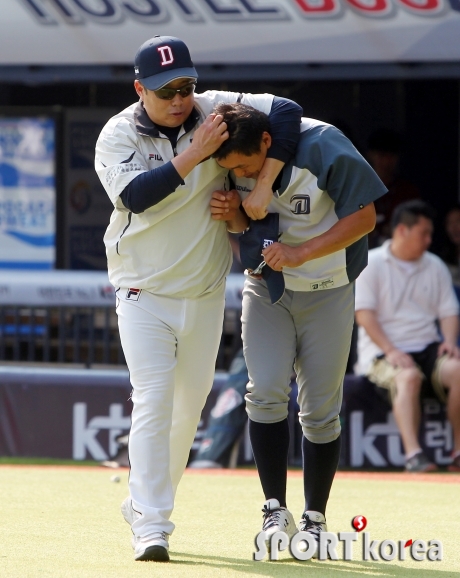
pixel 260 235
pixel 161 60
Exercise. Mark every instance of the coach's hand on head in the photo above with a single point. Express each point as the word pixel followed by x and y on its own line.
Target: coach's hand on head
pixel 206 140
pixel 209 136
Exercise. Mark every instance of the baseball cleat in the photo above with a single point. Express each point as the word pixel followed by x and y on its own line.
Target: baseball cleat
pixel 153 547
pixel 314 523
pixel 277 519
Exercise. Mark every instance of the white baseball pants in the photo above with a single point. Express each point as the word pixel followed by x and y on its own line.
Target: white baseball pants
pixel 170 346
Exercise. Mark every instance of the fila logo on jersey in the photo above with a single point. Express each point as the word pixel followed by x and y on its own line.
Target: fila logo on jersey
pixel 155 157
pixel 133 294
pixel 166 55
pixel 301 204
pixel 267 243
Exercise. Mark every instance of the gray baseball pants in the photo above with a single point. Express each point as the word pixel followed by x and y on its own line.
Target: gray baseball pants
pixel 309 331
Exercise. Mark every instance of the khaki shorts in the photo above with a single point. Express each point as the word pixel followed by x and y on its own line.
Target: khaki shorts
pixel 383 373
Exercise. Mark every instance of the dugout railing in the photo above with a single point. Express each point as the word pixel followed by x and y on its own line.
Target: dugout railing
pixel 82 335
pixel 64 334
pixel 69 317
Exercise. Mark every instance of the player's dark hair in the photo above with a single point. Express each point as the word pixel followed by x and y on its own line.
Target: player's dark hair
pixel 245 126
pixel 409 213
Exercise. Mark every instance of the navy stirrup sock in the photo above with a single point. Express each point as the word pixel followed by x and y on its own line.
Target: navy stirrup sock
pixel 270 445
pixel 320 462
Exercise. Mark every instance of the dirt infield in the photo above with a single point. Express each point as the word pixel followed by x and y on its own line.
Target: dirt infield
pixel 436 477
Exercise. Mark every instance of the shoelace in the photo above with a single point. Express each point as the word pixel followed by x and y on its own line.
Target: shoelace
pixel 271 517
pixel 155 535
pixel 308 525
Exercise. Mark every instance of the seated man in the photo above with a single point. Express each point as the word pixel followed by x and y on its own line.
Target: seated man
pixel 324 205
pixel 400 298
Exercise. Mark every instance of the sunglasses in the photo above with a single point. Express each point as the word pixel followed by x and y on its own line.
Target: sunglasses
pixel 170 93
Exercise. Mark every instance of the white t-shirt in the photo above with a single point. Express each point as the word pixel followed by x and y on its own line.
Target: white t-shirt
pixel 408 302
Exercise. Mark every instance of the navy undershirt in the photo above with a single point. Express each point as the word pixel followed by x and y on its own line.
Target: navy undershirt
pixel 151 187
pixel 172 132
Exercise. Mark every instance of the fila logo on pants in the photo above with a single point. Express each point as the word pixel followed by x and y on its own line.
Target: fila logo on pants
pixel 133 294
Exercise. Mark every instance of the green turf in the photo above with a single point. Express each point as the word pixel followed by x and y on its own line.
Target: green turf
pixel 46 462
pixel 65 522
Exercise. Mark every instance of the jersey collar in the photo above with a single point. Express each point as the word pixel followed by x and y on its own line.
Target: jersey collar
pixel 146 127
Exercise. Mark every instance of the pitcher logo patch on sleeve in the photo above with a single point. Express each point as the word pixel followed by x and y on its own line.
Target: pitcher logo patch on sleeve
pixel 133 294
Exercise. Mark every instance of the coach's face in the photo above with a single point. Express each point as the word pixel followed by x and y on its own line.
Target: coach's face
pixel 169 113
pixel 246 166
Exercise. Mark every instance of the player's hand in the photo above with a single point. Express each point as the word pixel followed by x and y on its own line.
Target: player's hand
pixel 450 349
pixel 210 135
pixel 256 203
pixel 225 205
pixel 398 358
pixel 279 255
pixel 249 273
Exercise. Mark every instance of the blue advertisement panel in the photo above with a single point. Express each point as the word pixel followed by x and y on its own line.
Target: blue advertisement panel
pixel 27 193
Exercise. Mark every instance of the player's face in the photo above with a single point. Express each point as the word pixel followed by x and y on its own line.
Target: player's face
pixel 169 113
pixel 245 166
pixel 418 237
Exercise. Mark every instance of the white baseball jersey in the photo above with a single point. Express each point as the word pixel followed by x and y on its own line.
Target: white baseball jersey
pixel 174 248
pixel 327 180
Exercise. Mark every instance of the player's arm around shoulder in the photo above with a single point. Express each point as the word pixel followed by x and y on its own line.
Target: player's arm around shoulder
pixel 285 116
pixel 206 101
